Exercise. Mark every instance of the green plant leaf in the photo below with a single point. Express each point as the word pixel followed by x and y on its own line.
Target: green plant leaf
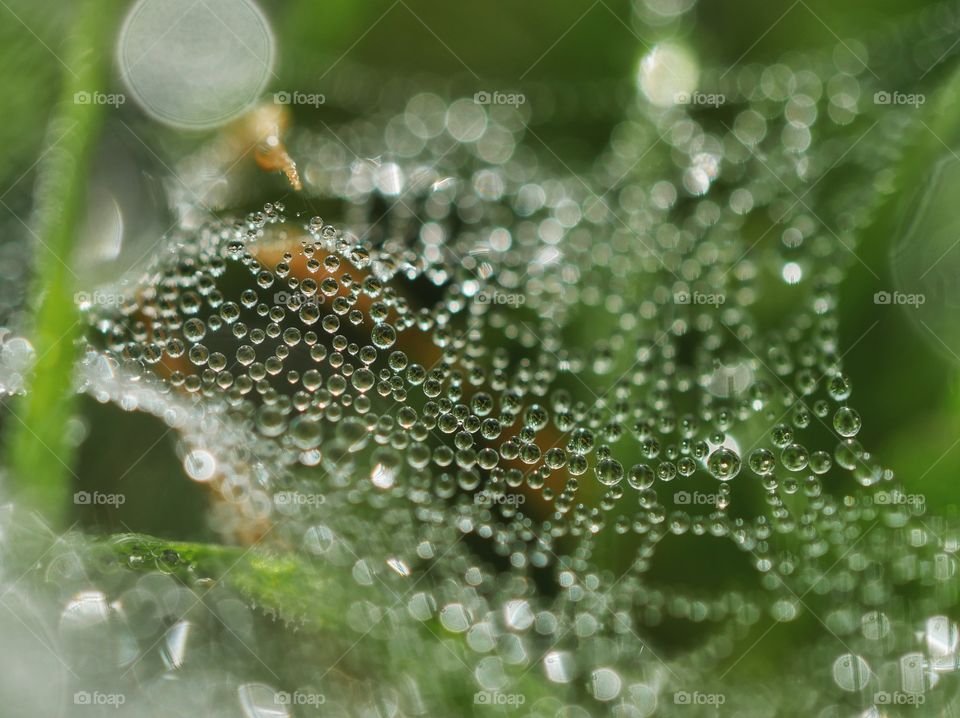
pixel 39 450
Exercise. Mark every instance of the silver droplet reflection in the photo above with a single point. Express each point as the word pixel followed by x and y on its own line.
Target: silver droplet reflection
pixel 605 684
pixel 667 73
pixel 195 65
pixel 559 666
pixel 851 672
pixel 258 700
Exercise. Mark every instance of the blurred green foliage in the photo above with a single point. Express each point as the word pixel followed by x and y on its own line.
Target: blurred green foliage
pixel 905 390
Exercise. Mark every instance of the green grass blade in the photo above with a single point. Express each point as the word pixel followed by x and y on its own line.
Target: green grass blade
pixel 38 451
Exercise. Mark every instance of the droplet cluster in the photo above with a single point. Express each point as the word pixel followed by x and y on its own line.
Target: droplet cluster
pixel 491 393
